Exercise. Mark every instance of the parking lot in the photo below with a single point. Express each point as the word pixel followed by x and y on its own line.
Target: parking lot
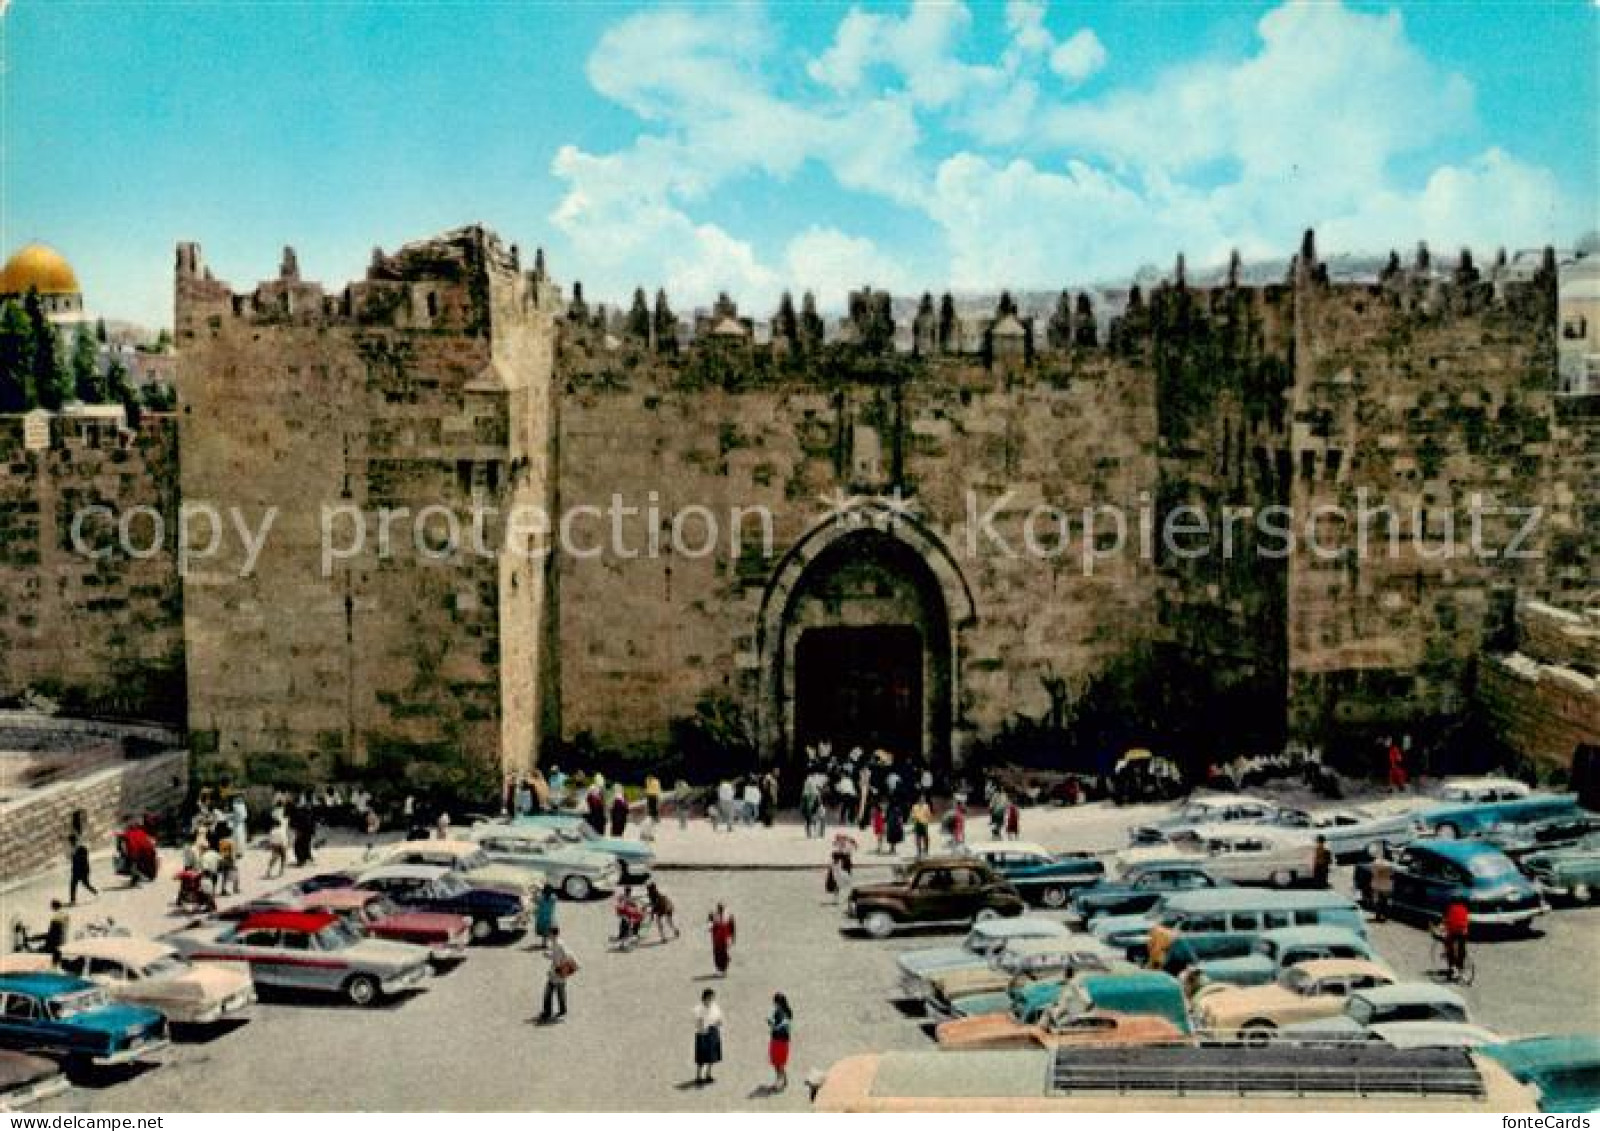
pixel 469 1042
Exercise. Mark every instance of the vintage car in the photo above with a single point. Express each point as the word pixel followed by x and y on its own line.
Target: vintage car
pixel 1429 875
pixel 1022 961
pixel 1232 910
pixel 636 857
pixel 1001 1031
pixel 493 910
pixel 1476 790
pixel 308 950
pixel 1205 809
pixel 1518 840
pixel 1353 833
pixel 936 890
pixel 26 1080
pixel 469 860
pixel 576 872
pixel 1138 993
pixel 153 974
pixel 1384 1005
pixel 1177 1078
pixel 1572 872
pixel 1241 854
pixel 1271 952
pixel 1140 888
pixel 1311 991
pixel 1454 819
pixel 62 1015
pixel 376 916
pixel 1432 1035
pixel 1564 1069
pixel 984 942
pixel 1042 877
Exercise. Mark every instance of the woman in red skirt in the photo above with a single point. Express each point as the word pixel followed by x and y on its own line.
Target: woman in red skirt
pixel 781 1026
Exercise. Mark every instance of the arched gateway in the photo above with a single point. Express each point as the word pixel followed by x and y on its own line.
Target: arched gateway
pixel 860 639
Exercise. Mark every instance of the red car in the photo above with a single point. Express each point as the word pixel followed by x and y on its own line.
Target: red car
pixel 377 916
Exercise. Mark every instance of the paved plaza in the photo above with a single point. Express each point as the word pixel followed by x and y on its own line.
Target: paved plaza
pixel 469 1042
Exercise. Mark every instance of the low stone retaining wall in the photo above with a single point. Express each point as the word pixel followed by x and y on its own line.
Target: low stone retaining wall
pixel 34 827
pixel 1542 711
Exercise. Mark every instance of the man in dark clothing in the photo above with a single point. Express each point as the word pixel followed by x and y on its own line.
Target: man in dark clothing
pixel 55 935
pixel 1321 863
pixel 80 871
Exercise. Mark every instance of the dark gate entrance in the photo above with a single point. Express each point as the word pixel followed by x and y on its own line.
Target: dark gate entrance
pixel 860 686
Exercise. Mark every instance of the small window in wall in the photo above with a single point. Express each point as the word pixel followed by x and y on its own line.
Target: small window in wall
pixel 1308 465
pixel 1335 461
pixel 433 305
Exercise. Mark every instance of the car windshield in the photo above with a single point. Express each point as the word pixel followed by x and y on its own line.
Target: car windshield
pixel 336 936
pixel 472 861
pixel 449 885
pixel 1296 981
pixel 167 966
pixel 1488 867
pixel 381 908
pixel 71 1005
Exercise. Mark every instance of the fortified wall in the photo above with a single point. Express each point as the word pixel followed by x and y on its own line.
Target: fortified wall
pixel 915 537
pixel 426 385
pixel 99 631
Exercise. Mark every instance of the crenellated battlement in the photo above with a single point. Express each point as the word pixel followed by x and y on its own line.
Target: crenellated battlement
pixel 451 283
pixel 1080 325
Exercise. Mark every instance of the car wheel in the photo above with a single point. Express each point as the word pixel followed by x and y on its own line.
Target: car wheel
pixel 482 929
pixel 1281 879
pixel 1448 832
pixel 361 990
pixel 1258 1033
pixel 577 887
pixel 879 924
pixel 1054 896
pixel 1582 893
pixel 985 914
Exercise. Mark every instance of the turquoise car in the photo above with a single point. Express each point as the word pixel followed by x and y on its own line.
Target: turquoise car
pixel 1027 1001
pixel 635 856
pixel 1566 1070
pixel 1570 872
pixel 1272 951
pixel 1453 821
pixel 58 1014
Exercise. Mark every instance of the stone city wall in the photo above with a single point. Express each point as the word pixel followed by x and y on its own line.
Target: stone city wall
pixel 99 634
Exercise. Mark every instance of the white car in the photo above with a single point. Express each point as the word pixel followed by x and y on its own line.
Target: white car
pixel 577 872
pixel 1353 832
pixel 1242 854
pixel 1205 809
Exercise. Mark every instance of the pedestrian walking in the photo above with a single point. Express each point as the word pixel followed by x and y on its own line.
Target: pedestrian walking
pixel 630 917
pixel 562 967
pixel 1397 768
pixel 227 867
pixel 595 801
pixel 1321 863
pixel 652 797
pixel 680 802
pixel 997 813
pixel 725 803
pixel 780 1027
pixel 1013 821
pixel 894 828
pixel 277 848
pixel 239 818
pixel 707 1037
pixel 921 822
pixel 373 823
pixel 879 826
pixel 722 936
pixel 1380 887
pixel 544 914
pixel 661 910
pixel 752 801
pixel 619 811
pixel 58 932
pixel 80 870
pixel 957 825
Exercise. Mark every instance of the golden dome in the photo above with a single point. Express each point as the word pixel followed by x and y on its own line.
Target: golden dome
pixel 41 268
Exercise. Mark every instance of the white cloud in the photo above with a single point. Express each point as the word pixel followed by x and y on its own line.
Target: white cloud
pixel 1022 180
pixel 1078 59
pixel 831 263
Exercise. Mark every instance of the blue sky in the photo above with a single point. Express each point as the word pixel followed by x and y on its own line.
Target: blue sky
pixel 755 148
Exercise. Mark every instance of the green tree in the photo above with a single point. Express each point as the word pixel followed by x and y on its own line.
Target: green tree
pixel 87 381
pixel 51 382
pixel 16 359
